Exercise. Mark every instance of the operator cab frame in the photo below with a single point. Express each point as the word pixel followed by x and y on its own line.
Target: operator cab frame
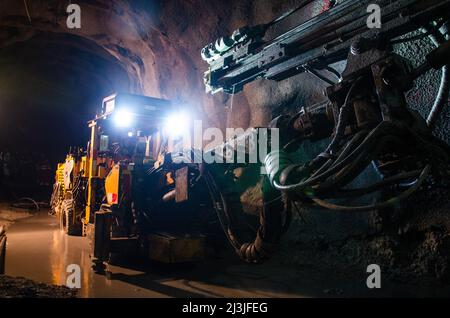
pixel 126 121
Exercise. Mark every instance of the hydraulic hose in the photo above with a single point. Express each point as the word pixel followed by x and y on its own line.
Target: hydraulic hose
pixel 372 137
pixel 381 205
pixel 346 193
pixel 442 97
pixel 342 120
pixel 444 88
pixel 272 224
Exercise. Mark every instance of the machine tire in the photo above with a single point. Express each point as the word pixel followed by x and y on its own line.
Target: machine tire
pixel 68 221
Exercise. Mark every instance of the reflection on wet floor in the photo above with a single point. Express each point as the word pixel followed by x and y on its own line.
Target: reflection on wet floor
pixel 38 250
pixel 64 251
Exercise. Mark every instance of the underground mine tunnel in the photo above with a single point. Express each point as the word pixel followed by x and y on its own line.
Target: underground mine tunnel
pixel 242 148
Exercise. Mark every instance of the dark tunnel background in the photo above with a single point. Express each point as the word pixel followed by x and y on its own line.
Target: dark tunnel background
pixel 51 85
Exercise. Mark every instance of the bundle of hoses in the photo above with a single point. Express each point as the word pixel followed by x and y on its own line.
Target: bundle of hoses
pixel 274 219
pixel 328 176
pixel 56 197
pixel 79 191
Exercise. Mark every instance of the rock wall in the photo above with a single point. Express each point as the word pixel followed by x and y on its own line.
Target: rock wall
pixel 158 44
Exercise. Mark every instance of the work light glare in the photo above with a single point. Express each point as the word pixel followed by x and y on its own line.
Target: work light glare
pixel 177 124
pixel 123 118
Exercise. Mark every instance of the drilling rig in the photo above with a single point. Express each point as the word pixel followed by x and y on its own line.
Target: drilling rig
pixel 134 191
pixel 114 191
pixel 365 115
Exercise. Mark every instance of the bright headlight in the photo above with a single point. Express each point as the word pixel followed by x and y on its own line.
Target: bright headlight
pixel 123 118
pixel 177 124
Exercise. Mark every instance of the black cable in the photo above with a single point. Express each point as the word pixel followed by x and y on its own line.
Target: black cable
pixel 300 215
pixel 224 218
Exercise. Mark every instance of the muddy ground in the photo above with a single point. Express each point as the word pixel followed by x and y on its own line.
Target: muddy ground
pixel 420 258
pixel 8 215
pixel 39 241
pixel 411 244
pixel 19 287
pixel 412 249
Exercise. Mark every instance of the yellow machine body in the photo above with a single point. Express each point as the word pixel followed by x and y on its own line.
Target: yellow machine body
pixel 60 178
pixel 108 180
pixel 67 173
pixel 112 185
pixel 60 194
